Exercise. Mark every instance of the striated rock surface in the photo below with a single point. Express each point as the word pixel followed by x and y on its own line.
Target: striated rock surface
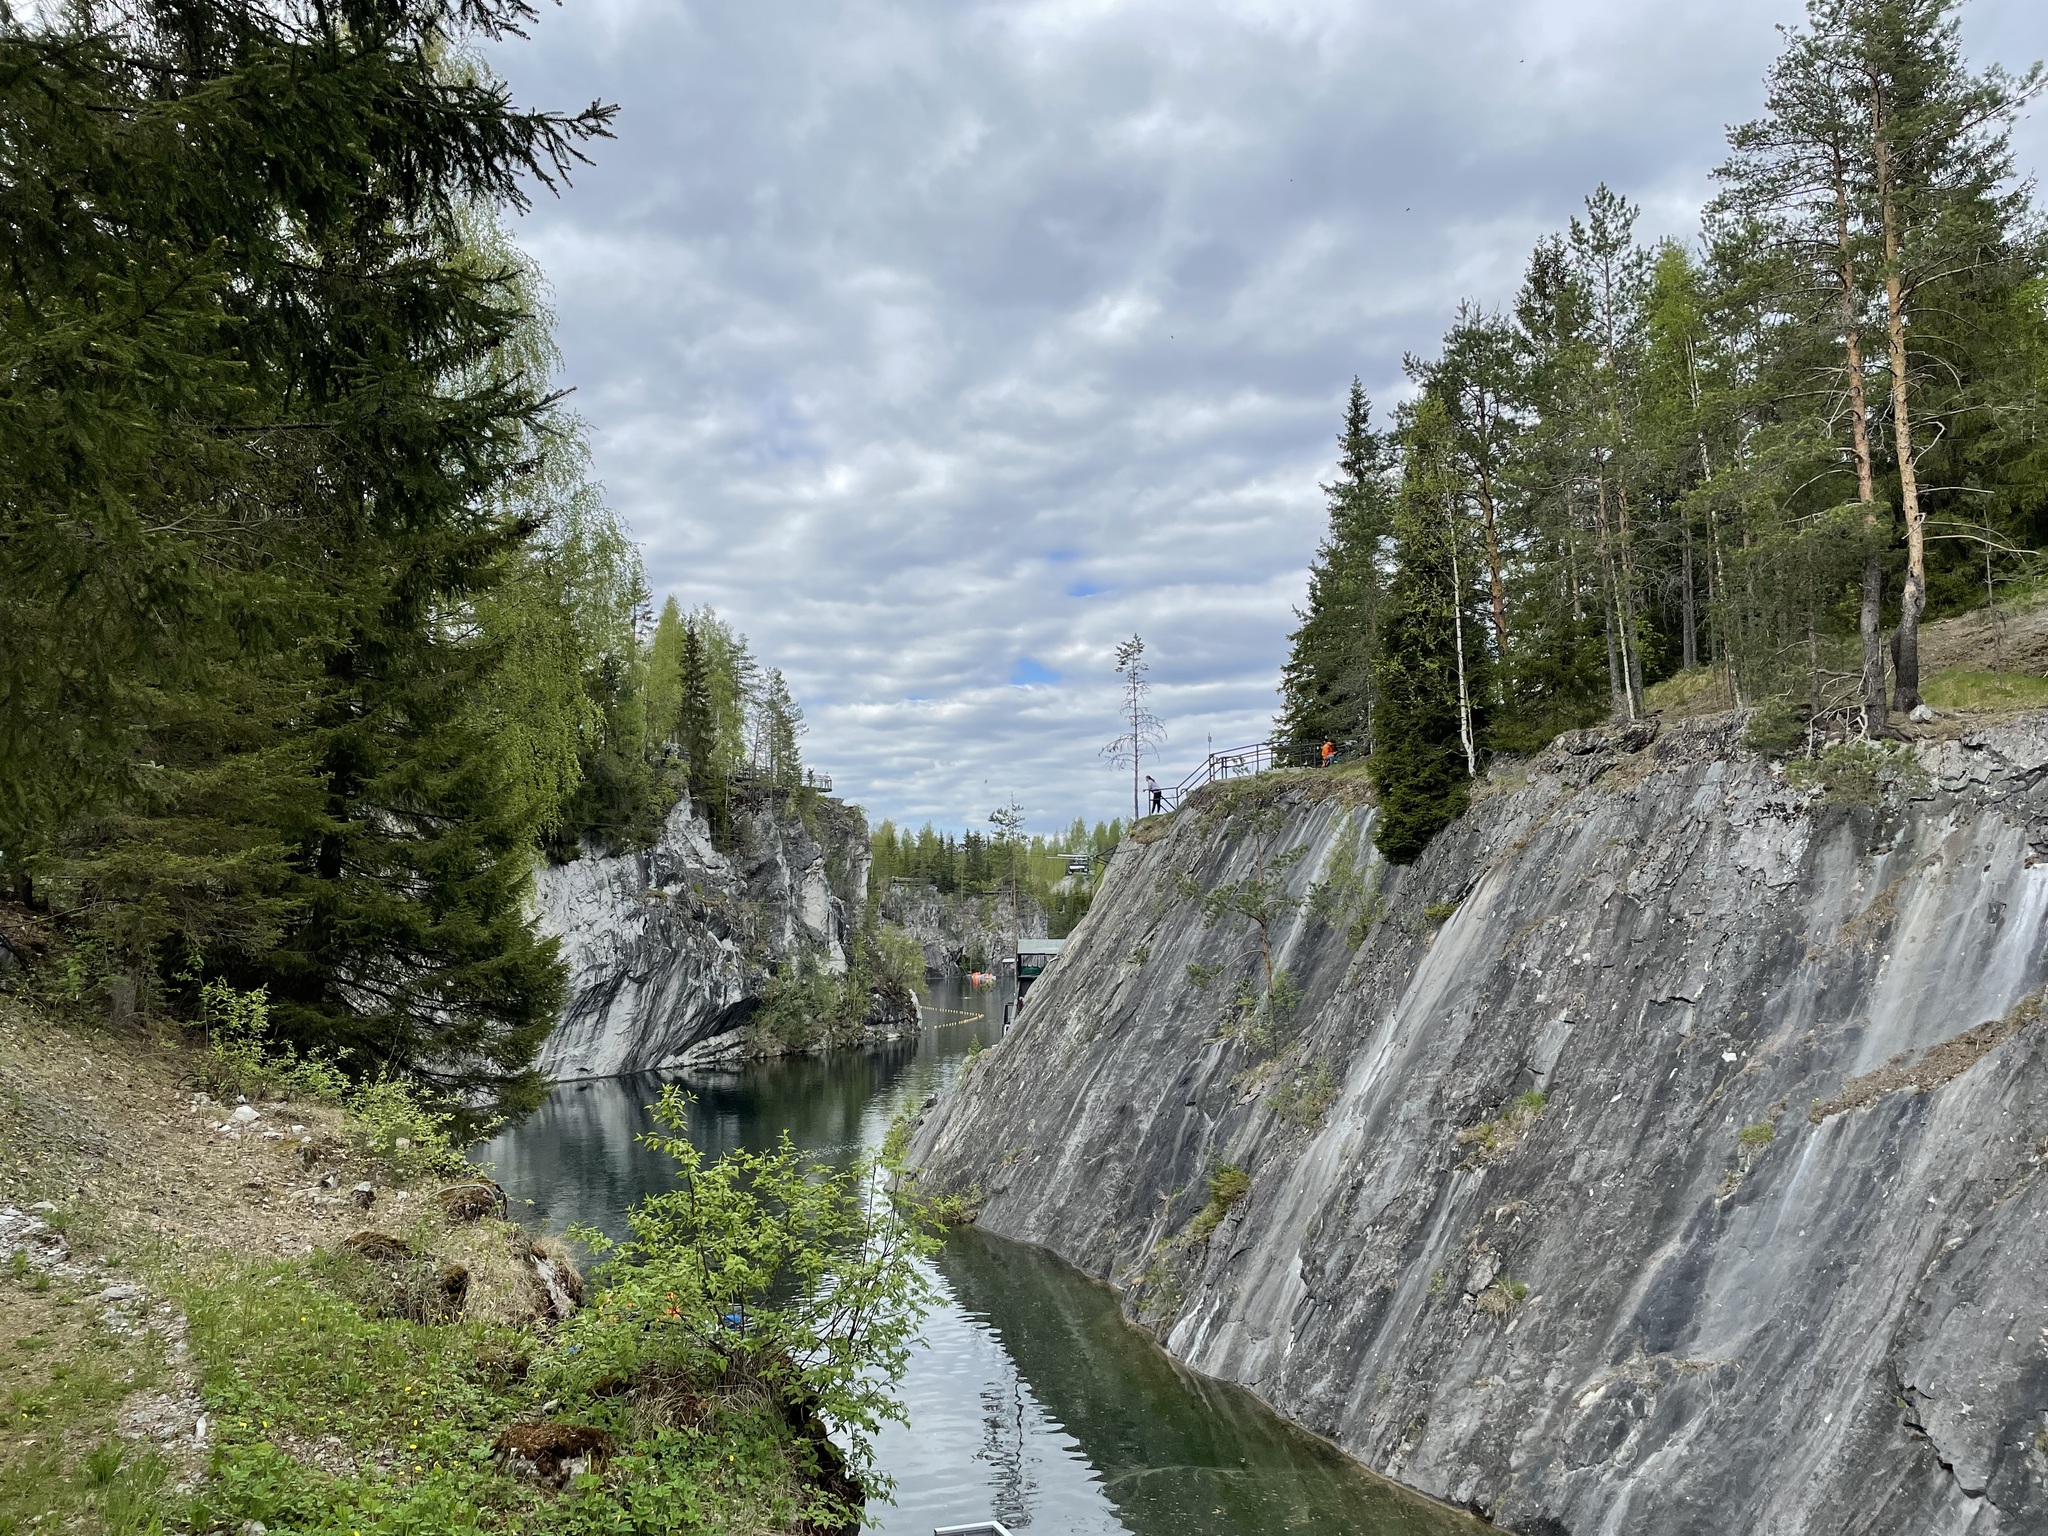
pixel 1671 1183
pixel 960 931
pixel 668 948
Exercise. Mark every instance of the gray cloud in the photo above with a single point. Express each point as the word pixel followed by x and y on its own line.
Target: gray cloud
pixel 940 345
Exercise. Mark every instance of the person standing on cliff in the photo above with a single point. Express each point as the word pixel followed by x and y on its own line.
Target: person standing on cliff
pixel 1158 795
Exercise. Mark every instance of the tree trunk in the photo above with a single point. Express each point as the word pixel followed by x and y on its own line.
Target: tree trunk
pixel 1497 586
pixel 1913 599
pixel 1458 639
pixel 1692 645
pixel 1870 618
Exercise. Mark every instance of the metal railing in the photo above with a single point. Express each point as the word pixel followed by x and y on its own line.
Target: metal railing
pixel 1230 763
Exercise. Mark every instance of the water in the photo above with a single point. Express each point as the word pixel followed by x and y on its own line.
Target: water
pixel 1034 1402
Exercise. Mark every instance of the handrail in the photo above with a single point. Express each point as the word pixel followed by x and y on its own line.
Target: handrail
pixel 1230 763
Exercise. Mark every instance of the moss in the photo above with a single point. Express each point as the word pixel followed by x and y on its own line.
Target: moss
pixel 1440 911
pixel 1753 1138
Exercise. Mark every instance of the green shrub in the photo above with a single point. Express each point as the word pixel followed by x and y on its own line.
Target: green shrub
pixel 1860 772
pixel 1775 728
pixel 766 1268
pixel 1499 1136
pixel 1439 911
pixel 240 1059
pixel 898 954
pixel 390 1120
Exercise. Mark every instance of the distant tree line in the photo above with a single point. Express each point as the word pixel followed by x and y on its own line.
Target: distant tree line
pixel 978 864
pixel 1758 460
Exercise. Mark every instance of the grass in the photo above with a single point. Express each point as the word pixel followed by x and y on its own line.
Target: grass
pixel 63 1378
pixel 1965 690
pixel 1500 1299
pixel 1499 1136
pixel 1754 1138
pixel 1227 1185
pixel 331 1420
pixel 1698 691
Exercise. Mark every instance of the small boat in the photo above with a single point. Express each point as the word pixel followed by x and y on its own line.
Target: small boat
pixel 980 979
pixel 979 1528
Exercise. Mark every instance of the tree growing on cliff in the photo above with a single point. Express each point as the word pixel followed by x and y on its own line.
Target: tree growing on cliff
pixel 1326 686
pixel 1433 670
pixel 1143 733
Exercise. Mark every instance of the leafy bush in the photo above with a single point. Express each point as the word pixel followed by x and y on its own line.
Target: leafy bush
pixel 241 1060
pixel 768 1269
pixel 1439 911
pixel 1499 1136
pixel 898 954
pixel 1752 1138
pixel 1775 728
pixel 390 1121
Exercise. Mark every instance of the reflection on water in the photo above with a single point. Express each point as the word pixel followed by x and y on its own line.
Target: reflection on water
pixel 1033 1402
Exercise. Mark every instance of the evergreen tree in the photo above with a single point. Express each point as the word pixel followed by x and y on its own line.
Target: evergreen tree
pixel 1327 685
pixel 696 721
pixel 1433 672
pixel 665 676
pixel 256 525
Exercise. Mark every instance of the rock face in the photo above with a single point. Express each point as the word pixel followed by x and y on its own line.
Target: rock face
pixel 960 931
pixel 668 948
pixel 1686 1177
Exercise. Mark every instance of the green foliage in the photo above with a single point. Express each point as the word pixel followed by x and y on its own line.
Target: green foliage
pixel 1737 460
pixel 1433 672
pixel 290 677
pixel 1348 897
pixel 1203 977
pixel 1754 1138
pixel 1227 1185
pixel 242 1059
pixel 1326 686
pixel 1439 911
pixel 1304 1099
pixel 1861 772
pixel 768 1267
pixel 899 955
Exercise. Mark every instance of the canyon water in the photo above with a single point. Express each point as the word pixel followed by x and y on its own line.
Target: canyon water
pixel 1031 1400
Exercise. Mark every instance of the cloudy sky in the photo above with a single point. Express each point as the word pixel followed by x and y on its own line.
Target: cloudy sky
pixel 942 344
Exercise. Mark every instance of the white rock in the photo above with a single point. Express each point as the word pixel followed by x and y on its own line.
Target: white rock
pixel 243 1115
pixel 42 1205
pixel 1921 715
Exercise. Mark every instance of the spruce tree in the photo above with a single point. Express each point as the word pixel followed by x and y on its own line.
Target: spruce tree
pixel 1327 684
pixel 1433 672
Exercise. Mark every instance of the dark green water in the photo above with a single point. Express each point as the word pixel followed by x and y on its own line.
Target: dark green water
pixel 1032 1402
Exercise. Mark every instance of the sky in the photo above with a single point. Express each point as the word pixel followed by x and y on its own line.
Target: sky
pixel 940 345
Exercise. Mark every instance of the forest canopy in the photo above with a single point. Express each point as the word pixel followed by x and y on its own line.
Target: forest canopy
pixel 1759 458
